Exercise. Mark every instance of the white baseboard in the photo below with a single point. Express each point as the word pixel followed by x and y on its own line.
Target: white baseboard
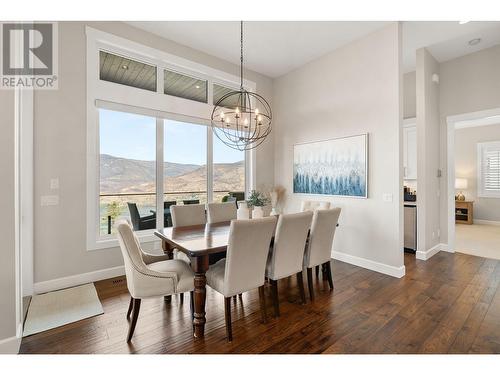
pixel 424 255
pixel 445 247
pixel 486 222
pixel 83 278
pixel 12 344
pixel 370 264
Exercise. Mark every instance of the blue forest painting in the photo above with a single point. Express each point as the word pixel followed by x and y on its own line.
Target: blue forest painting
pixel 331 167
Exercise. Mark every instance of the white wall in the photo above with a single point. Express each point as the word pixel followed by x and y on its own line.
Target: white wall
pixel 467 84
pixel 427 152
pixel 7 220
pixel 409 95
pixel 338 95
pixel 466 141
pixel 60 151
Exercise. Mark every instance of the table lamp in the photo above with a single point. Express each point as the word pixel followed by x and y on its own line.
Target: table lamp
pixel 460 184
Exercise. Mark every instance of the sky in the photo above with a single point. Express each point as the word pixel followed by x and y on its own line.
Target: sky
pixel 133 136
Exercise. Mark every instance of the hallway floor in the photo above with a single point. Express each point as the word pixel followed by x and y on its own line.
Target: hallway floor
pixel 478 239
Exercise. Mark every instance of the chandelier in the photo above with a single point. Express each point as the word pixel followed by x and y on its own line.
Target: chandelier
pixel 241 119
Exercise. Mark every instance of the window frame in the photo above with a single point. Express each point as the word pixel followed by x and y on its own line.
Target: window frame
pixel 482 147
pixel 118 97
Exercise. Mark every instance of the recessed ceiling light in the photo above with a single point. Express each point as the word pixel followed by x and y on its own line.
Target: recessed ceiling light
pixel 125 67
pixel 463 22
pixel 475 41
pixel 197 86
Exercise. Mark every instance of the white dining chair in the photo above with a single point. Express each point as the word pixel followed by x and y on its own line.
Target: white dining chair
pixel 148 277
pixel 219 212
pixel 314 205
pixel 287 254
pixel 189 214
pixel 319 249
pixel 244 267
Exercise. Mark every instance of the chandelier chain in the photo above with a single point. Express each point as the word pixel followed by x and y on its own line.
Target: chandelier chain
pixel 241 54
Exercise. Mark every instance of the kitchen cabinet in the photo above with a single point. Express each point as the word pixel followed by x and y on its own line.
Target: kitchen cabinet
pixel 410 152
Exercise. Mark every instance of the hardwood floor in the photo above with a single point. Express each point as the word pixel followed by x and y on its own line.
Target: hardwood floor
pixel 448 304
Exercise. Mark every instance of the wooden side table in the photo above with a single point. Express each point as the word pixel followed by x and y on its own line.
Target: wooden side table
pixel 464 212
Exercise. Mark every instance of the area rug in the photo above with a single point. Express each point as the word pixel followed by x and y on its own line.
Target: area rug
pixel 55 309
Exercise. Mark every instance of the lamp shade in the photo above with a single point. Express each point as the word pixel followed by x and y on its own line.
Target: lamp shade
pixel 460 183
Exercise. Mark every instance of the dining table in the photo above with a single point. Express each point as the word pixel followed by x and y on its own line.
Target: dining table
pixel 198 242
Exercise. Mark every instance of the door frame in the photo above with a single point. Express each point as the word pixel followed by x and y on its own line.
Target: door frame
pixel 464 120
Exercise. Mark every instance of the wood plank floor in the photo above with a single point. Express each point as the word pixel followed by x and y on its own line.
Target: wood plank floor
pixel 448 304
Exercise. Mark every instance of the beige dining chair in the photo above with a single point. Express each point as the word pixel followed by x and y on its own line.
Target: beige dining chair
pixel 149 276
pixel 319 249
pixel 219 212
pixel 314 205
pixel 186 215
pixel 189 214
pixel 287 255
pixel 244 267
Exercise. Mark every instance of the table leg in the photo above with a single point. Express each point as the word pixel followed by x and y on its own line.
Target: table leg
pixel 167 249
pixel 200 266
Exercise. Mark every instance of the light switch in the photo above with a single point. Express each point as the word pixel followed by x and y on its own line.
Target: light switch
pixel 387 197
pixel 49 200
pixel 54 183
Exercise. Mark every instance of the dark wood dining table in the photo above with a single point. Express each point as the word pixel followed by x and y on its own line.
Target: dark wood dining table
pixel 197 242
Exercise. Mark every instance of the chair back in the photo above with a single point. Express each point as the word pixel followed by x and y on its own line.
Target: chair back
pixel 135 217
pixel 167 204
pixel 314 205
pixel 191 201
pixel 323 227
pixel 247 251
pixel 218 212
pixel 131 252
pixel 191 214
pixel 290 239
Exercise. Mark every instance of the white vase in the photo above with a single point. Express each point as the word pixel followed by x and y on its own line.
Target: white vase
pixel 257 212
pixel 243 212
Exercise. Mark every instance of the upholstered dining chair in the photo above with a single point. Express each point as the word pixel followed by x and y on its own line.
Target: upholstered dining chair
pixel 314 205
pixel 189 214
pixel 219 212
pixel 244 267
pixel 319 249
pixel 287 254
pixel 149 276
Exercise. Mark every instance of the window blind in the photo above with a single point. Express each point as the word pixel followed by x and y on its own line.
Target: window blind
pixel 489 169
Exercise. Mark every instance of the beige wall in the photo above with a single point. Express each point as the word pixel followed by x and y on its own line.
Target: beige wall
pixel 409 95
pixel 467 84
pixel 60 151
pixel 340 95
pixel 7 220
pixel 427 151
pixel 466 141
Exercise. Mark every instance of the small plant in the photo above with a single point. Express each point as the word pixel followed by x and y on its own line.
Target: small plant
pixel 257 199
pixel 114 210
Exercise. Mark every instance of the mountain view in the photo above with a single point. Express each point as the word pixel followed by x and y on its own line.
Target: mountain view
pixel 120 175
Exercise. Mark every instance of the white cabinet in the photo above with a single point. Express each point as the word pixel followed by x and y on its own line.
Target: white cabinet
pixel 410 152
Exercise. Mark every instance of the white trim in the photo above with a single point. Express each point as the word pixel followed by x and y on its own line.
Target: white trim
pixel 370 264
pixel 482 148
pixel 424 255
pixel 83 278
pixel 409 122
pixel 12 344
pixel 445 247
pixel 486 222
pixel 452 122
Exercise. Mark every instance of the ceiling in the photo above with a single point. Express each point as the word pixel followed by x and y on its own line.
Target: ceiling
pixel 276 48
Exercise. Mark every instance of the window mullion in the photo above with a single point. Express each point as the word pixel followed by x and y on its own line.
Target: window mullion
pixel 159 173
pixel 210 165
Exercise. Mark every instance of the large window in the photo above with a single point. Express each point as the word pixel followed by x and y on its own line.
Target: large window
pixel 489 169
pixel 127 170
pixel 185 156
pixel 228 170
pixel 149 142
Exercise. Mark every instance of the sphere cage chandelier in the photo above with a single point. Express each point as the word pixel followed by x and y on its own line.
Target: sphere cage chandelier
pixel 241 119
